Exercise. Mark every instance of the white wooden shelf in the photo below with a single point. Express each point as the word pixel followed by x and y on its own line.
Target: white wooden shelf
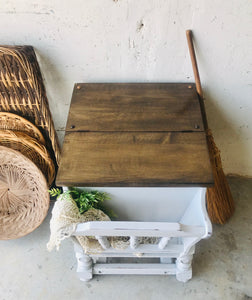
pixel 180 224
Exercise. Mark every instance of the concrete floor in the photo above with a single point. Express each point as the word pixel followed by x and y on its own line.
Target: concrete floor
pixel 222 267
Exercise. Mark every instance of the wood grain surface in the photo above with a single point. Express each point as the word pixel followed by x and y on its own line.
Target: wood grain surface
pixel 135 159
pixel 140 134
pixel 135 107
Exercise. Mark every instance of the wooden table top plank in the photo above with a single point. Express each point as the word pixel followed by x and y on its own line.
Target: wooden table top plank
pixel 135 159
pixel 122 134
pixel 134 107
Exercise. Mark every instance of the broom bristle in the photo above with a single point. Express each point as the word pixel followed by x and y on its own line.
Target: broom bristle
pixel 220 203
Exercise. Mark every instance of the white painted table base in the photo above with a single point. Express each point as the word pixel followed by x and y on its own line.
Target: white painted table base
pixel 180 220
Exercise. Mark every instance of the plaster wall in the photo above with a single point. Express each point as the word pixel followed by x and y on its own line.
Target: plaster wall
pixel 144 41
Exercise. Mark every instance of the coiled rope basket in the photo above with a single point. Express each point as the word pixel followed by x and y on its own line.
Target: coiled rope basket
pixel 24 198
pixel 9 121
pixel 31 148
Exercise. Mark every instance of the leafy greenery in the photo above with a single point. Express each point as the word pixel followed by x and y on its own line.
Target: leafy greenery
pixel 86 199
pixel 54 192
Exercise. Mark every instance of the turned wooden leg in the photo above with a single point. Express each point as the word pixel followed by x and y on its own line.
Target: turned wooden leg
pixel 84 262
pixel 84 266
pixel 184 268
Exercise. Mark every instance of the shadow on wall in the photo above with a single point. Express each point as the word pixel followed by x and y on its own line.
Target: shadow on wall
pixel 58 90
pixel 227 136
pixel 229 139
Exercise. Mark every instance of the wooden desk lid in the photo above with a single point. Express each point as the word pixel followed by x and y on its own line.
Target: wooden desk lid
pixel 134 107
pixel 135 135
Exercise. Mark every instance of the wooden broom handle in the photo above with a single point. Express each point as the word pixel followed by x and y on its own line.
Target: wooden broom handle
pixel 194 63
pixel 197 78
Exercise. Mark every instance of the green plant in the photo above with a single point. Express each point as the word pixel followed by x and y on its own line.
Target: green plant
pixel 86 199
pixel 54 192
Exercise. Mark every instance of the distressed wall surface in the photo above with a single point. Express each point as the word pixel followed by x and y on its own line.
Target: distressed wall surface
pixel 143 41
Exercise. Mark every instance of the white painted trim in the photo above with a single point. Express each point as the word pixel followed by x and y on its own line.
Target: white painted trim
pixel 163 242
pixel 207 222
pixel 147 250
pixel 147 229
pixel 103 242
pixel 136 269
pixel 134 243
pixel 177 241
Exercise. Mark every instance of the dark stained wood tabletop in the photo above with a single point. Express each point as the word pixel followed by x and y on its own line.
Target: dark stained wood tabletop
pixel 135 135
pixel 134 107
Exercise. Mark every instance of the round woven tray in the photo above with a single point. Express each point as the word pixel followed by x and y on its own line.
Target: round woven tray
pixel 14 122
pixel 30 148
pixel 24 198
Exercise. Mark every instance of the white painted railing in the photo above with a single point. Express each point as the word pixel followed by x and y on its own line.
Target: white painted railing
pixel 176 240
pixel 164 230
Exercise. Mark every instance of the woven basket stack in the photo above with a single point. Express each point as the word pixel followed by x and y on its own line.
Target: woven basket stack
pixel 29 149
pixel 21 135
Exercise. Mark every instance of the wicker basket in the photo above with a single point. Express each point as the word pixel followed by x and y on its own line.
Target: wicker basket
pixel 30 148
pixel 9 121
pixel 24 199
pixel 22 92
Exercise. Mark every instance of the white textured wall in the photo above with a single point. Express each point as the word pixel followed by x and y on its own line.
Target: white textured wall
pixel 144 40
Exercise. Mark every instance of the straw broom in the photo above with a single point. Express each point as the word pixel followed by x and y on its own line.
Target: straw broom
pixel 220 203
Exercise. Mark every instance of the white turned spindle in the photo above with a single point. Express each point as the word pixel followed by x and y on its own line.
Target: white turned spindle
pixel 134 242
pixel 163 242
pixel 84 266
pixel 103 242
pixel 184 268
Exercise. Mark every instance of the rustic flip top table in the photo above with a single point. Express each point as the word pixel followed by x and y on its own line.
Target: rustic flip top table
pixel 135 135
pixel 126 139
